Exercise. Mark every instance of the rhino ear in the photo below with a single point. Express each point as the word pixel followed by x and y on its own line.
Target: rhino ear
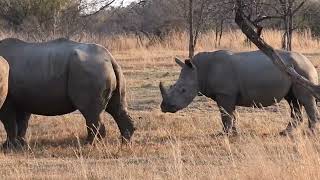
pixel 179 62
pixel 189 63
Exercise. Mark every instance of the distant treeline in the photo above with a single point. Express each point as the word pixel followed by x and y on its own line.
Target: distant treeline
pixel 150 17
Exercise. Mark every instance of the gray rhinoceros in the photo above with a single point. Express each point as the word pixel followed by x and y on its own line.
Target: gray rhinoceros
pixel 59 77
pixel 242 79
pixel 4 77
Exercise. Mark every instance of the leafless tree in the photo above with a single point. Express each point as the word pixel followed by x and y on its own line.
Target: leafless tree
pixel 48 16
pixel 284 10
pixel 200 14
pixel 289 8
pixel 192 37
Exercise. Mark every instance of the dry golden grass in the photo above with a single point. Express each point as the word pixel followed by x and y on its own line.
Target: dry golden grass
pixel 231 39
pixel 168 146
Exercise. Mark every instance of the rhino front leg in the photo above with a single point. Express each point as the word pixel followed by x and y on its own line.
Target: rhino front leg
pixel 10 126
pixel 22 122
pixel 8 117
pixel 226 105
pixel 95 127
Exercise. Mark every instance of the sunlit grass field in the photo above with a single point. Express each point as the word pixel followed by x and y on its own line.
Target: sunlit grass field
pixel 184 145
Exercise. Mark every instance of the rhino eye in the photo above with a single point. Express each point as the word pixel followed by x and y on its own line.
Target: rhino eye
pixel 183 90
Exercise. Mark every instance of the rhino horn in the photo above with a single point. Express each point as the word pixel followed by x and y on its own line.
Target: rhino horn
pixel 162 90
pixel 179 62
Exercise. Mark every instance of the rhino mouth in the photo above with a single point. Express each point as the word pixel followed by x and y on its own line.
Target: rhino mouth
pixel 168 108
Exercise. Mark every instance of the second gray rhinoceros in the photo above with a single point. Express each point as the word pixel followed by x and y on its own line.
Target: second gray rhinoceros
pixel 59 77
pixel 242 79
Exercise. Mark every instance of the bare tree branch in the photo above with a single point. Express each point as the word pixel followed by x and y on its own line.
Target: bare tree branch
pixel 247 28
pixel 298 7
pixel 263 18
pixel 100 9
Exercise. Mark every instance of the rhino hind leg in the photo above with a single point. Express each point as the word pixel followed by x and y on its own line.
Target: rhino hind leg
pixel 123 120
pixel 95 128
pixel 91 105
pixel 309 104
pixel 313 114
pixel 90 97
pixel 227 107
pixel 296 115
pixel 117 110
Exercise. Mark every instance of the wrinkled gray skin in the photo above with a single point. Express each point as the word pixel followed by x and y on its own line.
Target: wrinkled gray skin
pixel 4 77
pixel 59 77
pixel 242 79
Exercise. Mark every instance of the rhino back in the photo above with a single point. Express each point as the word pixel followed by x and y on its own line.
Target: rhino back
pixel 250 76
pixel 39 75
pixel 260 81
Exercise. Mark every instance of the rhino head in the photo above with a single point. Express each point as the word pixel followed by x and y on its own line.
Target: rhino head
pixel 181 94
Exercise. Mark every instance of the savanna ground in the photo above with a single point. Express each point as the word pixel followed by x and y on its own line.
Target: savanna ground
pixel 169 146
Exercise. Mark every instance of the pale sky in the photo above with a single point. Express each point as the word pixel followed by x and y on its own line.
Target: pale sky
pixel 117 2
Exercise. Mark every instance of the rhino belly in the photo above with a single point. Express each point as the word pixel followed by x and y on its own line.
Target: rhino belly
pixel 43 98
pixel 261 100
pixel 264 93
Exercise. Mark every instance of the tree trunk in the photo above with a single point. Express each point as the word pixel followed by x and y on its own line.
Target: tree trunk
pixel 217 35
pixel 221 31
pixel 191 35
pixel 284 36
pixel 290 29
pixel 287 6
pixel 289 25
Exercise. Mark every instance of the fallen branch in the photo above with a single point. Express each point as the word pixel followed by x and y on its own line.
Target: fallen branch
pixel 247 28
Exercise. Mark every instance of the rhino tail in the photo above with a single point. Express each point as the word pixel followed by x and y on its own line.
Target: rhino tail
pixel 119 95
